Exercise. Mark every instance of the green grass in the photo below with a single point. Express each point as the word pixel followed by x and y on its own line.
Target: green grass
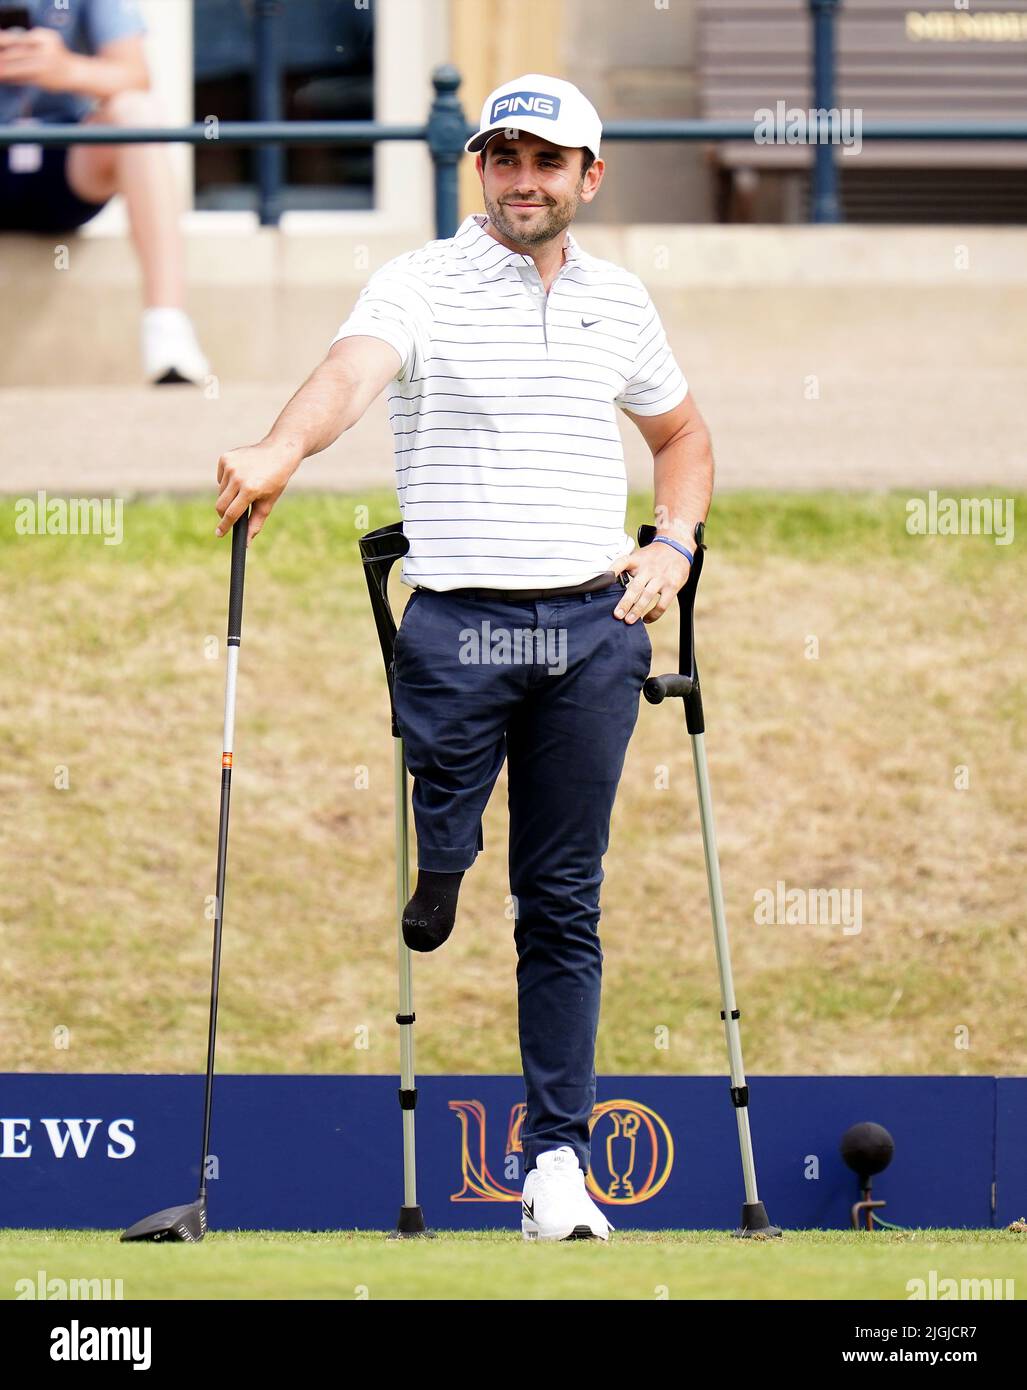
pixel 834 771
pixel 754 524
pixel 471 1265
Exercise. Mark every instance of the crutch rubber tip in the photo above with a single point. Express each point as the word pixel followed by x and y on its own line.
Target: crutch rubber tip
pixel 410 1223
pixel 755 1223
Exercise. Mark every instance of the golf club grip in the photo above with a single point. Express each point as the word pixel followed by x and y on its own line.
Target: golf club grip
pixel 660 688
pixel 239 531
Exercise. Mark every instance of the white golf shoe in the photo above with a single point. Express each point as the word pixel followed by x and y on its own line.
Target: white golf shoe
pixel 171 352
pixel 555 1204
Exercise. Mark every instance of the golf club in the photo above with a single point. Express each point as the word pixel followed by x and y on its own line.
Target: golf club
pixel 379 550
pixel 189 1222
pixel 684 683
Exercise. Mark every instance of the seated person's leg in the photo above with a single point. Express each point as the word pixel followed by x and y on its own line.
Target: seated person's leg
pixel 144 176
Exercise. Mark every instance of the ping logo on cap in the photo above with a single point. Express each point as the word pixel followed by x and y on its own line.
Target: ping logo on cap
pixel 525 104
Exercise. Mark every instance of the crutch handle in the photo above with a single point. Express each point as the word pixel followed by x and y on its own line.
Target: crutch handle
pixel 683 683
pixel 379 550
pixel 659 688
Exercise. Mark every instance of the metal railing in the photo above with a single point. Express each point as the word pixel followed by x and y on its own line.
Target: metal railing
pixel 446 131
pixel 267 81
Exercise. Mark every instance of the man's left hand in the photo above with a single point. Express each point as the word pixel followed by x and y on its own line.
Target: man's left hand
pixel 657 573
pixel 36 58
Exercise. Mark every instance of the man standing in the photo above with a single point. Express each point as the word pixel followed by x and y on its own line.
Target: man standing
pixel 506 349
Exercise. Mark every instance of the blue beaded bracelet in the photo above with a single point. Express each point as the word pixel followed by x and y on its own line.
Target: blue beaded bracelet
pixel 677 546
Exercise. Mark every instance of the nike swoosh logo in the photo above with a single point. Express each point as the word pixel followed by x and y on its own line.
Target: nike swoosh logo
pixel 587 323
pixel 529 1212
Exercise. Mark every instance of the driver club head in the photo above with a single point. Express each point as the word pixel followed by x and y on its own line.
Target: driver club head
pixel 188 1223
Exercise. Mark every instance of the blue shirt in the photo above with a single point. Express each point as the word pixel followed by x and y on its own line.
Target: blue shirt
pixel 85 26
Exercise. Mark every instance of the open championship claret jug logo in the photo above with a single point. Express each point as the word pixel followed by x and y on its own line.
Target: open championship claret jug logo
pixel 632 1153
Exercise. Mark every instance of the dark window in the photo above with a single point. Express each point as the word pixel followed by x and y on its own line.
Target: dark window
pixel 325 57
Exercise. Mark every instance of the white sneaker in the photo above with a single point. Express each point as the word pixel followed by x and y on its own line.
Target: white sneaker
pixel 171 352
pixel 555 1204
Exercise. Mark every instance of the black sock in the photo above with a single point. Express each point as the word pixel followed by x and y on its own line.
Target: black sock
pixel 430 915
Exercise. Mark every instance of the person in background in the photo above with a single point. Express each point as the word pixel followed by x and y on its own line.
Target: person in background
pixel 84 61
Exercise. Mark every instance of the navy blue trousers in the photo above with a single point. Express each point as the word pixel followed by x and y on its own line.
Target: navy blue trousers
pixel 553 688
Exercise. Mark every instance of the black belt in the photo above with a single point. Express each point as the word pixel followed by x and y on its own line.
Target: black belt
pixel 601 581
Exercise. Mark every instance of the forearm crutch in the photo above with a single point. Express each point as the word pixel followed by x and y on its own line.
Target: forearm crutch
pixel 379 550
pixel 684 683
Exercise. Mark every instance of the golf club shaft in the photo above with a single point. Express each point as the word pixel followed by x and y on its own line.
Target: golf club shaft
pixel 239 532
pixel 727 987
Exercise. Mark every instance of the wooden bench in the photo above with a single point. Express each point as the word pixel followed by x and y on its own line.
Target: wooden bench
pixel 893 61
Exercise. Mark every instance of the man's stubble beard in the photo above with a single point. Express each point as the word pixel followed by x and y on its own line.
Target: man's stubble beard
pixel 557 217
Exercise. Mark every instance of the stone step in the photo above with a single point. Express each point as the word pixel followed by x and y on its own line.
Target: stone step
pixel 267 304
pixel 911 426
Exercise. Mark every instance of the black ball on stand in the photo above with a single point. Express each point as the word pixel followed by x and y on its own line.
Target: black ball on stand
pixel 867 1149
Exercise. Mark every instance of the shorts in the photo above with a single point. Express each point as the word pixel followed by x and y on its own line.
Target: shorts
pixel 41 201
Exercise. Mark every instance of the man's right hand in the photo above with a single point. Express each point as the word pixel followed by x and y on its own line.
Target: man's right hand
pixel 253 477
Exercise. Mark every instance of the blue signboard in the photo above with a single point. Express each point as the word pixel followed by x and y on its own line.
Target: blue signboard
pixel 324 1152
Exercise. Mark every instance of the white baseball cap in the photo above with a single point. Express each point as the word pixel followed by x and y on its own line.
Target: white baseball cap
pixel 545 106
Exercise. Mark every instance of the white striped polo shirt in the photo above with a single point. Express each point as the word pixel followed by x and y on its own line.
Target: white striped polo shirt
pixel 509 464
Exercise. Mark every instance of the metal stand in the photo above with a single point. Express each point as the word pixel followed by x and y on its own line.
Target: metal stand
pixel 684 684
pixel 378 551
pixel 869 1204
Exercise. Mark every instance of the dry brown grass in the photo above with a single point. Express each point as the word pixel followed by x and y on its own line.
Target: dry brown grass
pixel 834 772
